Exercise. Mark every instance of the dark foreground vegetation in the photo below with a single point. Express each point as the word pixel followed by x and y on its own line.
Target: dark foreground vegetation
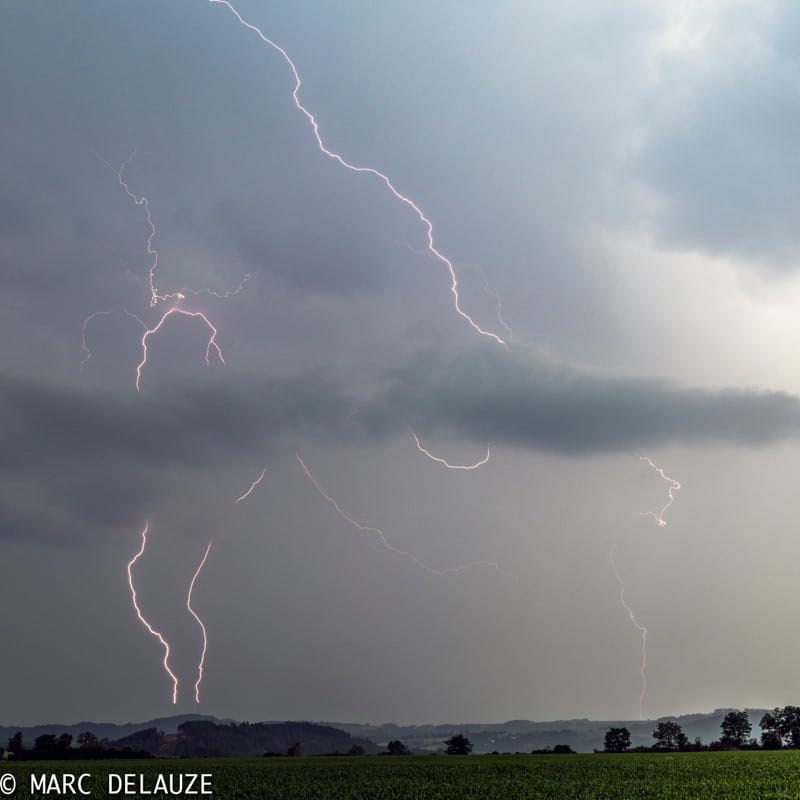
pixel 780 728
pixel 732 775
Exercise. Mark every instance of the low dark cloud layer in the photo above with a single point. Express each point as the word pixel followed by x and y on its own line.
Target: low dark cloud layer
pixel 107 453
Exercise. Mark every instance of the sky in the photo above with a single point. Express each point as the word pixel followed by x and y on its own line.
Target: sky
pixel 617 180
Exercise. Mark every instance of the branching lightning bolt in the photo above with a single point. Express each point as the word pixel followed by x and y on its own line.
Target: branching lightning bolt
pixel 368 170
pixel 641 628
pixel 211 344
pixel 87 353
pixel 152 631
pixel 379 534
pixel 446 463
pixel 674 487
pixel 191 610
pixel 252 486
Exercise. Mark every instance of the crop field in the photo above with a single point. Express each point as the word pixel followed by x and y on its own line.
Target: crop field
pixel 739 775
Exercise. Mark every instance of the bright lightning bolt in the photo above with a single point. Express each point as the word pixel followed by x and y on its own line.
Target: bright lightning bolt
pixel 211 345
pixel 202 662
pixel 385 542
pixel 152 631
pixel 252 486
pixel 674 486
pixel 369 170
pixel 641 628
pixel 447 463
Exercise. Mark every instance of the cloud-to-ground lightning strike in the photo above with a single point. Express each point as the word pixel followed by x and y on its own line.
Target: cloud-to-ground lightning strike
pixel 368 170
pixel 379 534
pixel 150 629
pixel 446 463
pixel 635 622
pixel 674 486
pixel 199 621
pixel 252 486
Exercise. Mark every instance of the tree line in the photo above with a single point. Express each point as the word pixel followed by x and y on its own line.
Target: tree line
pixel 779 728
pixel 57 748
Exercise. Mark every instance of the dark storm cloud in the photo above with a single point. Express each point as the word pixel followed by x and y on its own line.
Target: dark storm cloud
pixel 721 142
pixel 176 424
pixel 75 460
pixel 512 399
pixel 100 454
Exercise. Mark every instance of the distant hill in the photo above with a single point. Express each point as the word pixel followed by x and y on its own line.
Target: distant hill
pixel 522 735
pixel 196 734
pixel 201 738
pixel 102 730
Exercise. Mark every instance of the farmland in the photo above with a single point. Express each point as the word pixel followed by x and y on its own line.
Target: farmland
pixel 739 775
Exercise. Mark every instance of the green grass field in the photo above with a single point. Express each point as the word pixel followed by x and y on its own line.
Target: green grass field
pixel 739 775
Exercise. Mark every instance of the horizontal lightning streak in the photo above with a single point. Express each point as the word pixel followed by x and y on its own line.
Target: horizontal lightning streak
pixel 202 662
pixel 369 170
pixel 150 629
pixel 385 542
pixel 447 463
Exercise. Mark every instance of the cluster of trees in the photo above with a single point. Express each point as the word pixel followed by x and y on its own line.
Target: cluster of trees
pixel 457 745
pixel 779 728
pixel 52 747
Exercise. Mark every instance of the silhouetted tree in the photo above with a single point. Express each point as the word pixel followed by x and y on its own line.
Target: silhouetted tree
pixel 770 733
pixel 295 749
pixel 736 729
pixel 789 725
pixel 63 743
pixel 669 736
pixel 45 746
pixel 15 744
pixel 458 745
pixel 617 740
pixel 88 741
pixel 356 750
pixel 562 749
pixel 397 748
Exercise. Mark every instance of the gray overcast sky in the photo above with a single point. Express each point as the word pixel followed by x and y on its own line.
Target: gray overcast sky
pixel 623 174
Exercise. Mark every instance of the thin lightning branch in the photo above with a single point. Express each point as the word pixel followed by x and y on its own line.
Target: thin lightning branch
pixel 202 662
pixel 152 631
pixel 155 297
pixel 369 170
pixel 252 486
pixel 641 628
pixel 447 463
pixel 211 345
pixel 385 542
pixel 87 353
pixel 221 295
pixel 499 300
pixel 674 487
